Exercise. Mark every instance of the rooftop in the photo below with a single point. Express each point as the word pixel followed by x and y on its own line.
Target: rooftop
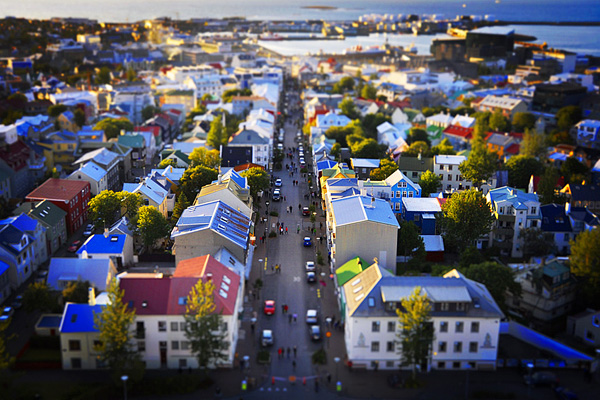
pixel 58 189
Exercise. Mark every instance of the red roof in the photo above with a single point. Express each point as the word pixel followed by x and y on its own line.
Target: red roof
pixel 513 149
pixel 441 200
pixel 167 117
pixel 246 166
pixel 15 155
pixel 58 190
pixel 457 130
pixel 153 128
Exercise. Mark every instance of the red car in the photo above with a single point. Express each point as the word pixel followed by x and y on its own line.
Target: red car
pixel 270 307
pixel 74 246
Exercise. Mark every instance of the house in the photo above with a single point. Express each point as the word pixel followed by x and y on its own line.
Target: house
pixel 78 337
pixel 401 187
pixel 118 248
pixel 153 194
pixel 508 106
pixel 588 132
pixel 585 326
pixel 230 193
pixel 354 218
pixel 137 143
pixel 364 166
pixel 503 144
pixel 340 170
pixel 22 168
pixel 547 293
pixel 446 167
pixel 414 167
pixel 337 188
pixel 466 320
pixel 6 287
pixel 250 138
pixel 459 136
pixel 582 219
pixel 422 212
pixel 68 195
pixel 244 104
pixel 349 270
pixel 98 271
pixel 66 122
pixel 556 222
pixel 92 174
pixel 513 210
pixel 52 218
pixel 5 181
pixel 587 196
pixel 205 228
pixel 182 160
pixel 434 248
pixel 549 97
pixel 110 162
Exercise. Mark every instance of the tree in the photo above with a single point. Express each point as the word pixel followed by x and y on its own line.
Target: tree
pixel 410 244
pixel 498 122
pixel 416 333
pixel 131 75
pixel 417 135
pixel 497 278
pixel 195 178
pixel 104 76
pixel 339 134
pixel 568 116
pixel 76 292
pixel 465 217
pixel 216 133
pixel 130 206
pixel 229 94
pixel 204 327
pixel 471 255
pixel 573 170
pixel 416 149
pixel 258 180
pixel 429 183
pixel 105 208
pixel 533 144
pixel 205 157
pixel 546 189
pixel 480 165
pixel 370 123
pixel 79 117
pixel 345 84
pixel 522 121
pixel 199 110
pixel 386 168
pixel 6 360
pixel 368 92
pixel 57 109
pixel 116 336
pixel 520 168
pixel 348 108
pixel 167 162
pixel 112 127
pixel 152 226
pixel 38 296
pixel 336 150
pixel 149 112
pixel 443 148
pixel 536 243
pixel 368 148
pixel 180 205
pixel 585 256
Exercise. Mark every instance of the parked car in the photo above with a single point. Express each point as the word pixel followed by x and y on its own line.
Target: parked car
pixel 307 241
pixel 4 320
pixel 266 338
pixel 311 277
pixel 280 147
pixel 305 211
pixel 276 195
pixel 89 229
pixel 315 332
pixel 310 266
pixel 17 302
pixel 395 381
pixel 8 311
pixel 541 378
pixel 269 307
pixel 74 246
pixel 312 317
pixel 278 182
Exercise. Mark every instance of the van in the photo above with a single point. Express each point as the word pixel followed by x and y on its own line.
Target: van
pixel 280 146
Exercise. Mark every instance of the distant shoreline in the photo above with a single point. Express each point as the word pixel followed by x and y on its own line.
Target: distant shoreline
pixel 320 7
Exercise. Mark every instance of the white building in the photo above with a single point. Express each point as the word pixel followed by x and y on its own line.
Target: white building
pixel 446 167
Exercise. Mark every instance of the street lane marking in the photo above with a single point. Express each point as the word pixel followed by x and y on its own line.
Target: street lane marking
pixel 296 279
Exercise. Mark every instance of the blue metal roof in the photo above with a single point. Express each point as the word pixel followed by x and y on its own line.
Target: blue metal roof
pixel 354 209
pixel 3 267
pixel 326 164
pixel 98 244
pixel 49 321
pixel 22 222
pixel 79 318
pixel 94 270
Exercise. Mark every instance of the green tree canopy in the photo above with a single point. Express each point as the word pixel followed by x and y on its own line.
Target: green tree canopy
pixel 339 134
pixel 195 178
pixel 443 148
pixel 167 162
pixel 386 168
pixel 104 76
pixel 522 121
pixel 149 112
pixel 410 243
pixel 130 206
pixel 38 296
pixel 79 117
pixel 57 109
pixel 205 157
pixel 585 256
pixel 547 186
pixel 131 75
pixel 417 135
pixel 216 134
pixel 533 144
pixel 417 148
pixel 346 84
pixel 258 180
pixel 105 208
pixel 348 108
pixel 480 165
pixel 336 150
pixel 112 127
pixel 498 122
pixel 465 217
pixel 536 243
pixel 497 278
pixel 76 292
pixel 368 148
pixel 152 226
pixel 229 94
pixel 574 171
pixel 429 183
pixel 368 92
pixel 416 332
pixel 204 328
pixel 520 168
pixel 567 117
pixel 180 205
pixel 370 123
pixel 199 110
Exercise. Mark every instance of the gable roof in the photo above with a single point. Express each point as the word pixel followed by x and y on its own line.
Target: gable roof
pixel 91 170
pixel 350 269
pixel 398 176
pixel 58 190
pixel 46 212
pixel 247 137
pixel 555 219
pixel 94 270
pixel 99 244
pixel 354 209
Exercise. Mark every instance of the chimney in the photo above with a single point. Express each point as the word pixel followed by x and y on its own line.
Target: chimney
pixel 91 296
pixel 219 178
pixel 106 232
pixel 419 157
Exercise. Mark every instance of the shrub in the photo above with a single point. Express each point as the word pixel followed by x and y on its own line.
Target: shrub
pixel 272 234
pixel 274 214
pixel 319 357
pixel 263 357
pixel 320 259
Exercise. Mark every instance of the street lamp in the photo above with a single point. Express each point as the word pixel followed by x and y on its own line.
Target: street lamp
pixel 124 379
pixel 529 370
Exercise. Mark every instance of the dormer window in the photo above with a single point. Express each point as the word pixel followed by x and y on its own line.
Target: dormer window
pixel 444 306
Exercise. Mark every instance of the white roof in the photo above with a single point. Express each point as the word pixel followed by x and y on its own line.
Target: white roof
pixel 423 204
pixel 433 242
pixel 445 160
pixel 434 293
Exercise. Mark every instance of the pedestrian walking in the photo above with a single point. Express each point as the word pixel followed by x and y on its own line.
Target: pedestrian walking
pixel 294 365
pixel 295 351
pixel 272 268
pixel 279 353
pixel 295 317
pixel 328 378
pixel 298 228
pixel 286 232
pixel 288 352
pixel 285 308
pixel 290 318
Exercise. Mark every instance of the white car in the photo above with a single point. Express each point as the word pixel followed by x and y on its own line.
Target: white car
pixel 266 338
pixel 312 317
pixel 278 182
pixel 276 195
pixel 310 266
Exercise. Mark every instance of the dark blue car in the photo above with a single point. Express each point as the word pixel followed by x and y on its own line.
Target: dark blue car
pixel 307 242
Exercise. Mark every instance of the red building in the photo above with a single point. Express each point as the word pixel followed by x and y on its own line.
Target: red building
pixel 71 196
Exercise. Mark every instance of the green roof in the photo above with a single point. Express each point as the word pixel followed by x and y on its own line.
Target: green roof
pixel 177 153
pixel 410 113
pixel 555 269
pixel 350 270
pixel 177 92
pixel 46 212
pixel 435 132
pixel 134 141
pixel 414 164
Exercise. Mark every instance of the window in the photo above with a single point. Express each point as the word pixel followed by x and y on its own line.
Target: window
pixel 390 347
pixel 449 167
pixel 185 345
pixel 374 347
pixel 175 345
pixel 174 326
pixel 391 326
pixel 182 363
pixel 442 347
pixel 389 364
pixel 410 194
pixel 472 347
pixel 456 364
pixel 76 363
pixel 449 177
pixel 460 306
pixel 444 306
pixel 459 327
pixel 533 210
pixel 443 326
pixel 375 326
pixel 397 206
pixel 441 364
pixel 398 194
pixel 403 194
pixel 162 326
pixel 74 345
pixel 596 320
pixel 141 345
pixel 474 327
pixel 224 326
pixel 458 347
